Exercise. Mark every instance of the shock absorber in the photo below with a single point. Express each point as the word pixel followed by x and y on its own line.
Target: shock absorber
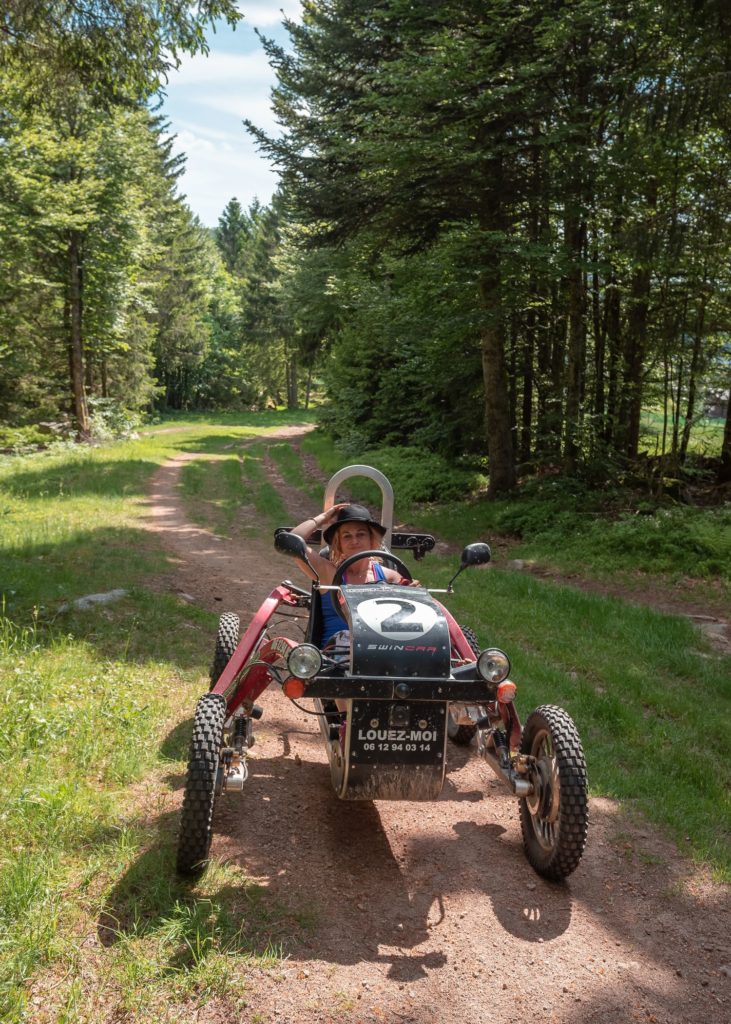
pixel 241 740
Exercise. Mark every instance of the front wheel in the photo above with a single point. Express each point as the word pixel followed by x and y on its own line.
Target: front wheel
pixel 196 819
pixel 554 818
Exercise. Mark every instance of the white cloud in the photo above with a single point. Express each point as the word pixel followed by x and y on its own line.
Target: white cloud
pixel 215 171
pixel 220 67
pixel 193 130
pixel 269 12
pixel 240 105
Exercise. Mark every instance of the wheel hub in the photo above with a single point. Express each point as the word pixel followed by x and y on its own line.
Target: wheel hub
pixel 543 802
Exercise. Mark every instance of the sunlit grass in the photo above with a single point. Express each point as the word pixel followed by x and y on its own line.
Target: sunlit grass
pixel 652 704
pixel 706 436
pixel 293 469
pixel 90 709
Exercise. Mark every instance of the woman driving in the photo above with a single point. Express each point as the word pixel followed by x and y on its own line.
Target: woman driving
pixel 348 529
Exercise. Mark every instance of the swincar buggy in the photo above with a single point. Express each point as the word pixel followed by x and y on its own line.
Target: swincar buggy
pixel 411 680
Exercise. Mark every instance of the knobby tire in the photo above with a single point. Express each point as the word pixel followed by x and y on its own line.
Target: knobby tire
pixel 227 640
pixel 554 848
pixel 196 819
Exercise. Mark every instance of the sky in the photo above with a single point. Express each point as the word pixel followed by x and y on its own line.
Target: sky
pixel 206 100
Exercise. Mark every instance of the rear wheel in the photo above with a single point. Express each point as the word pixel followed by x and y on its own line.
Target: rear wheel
pixel 227 640
pixel 463 735
pixel 554 818
pixel 196 819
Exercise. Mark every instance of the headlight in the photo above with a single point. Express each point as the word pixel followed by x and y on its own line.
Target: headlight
pixel 493 665
pixel 304 661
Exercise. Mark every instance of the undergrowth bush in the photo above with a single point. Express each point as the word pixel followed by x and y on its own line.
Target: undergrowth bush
pixel 110 420
pixel 417 475
pixel 551 504
pixel 420 476
pixel 691 541
pixel 20 440
pixel 613 530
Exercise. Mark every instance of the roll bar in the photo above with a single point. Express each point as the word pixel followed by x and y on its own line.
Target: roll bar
pixel 417 543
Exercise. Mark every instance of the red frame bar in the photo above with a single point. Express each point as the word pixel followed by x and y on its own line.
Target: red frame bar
pixel 236 682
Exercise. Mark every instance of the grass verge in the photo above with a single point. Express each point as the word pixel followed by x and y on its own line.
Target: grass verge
pixel 95 713
pixel 653 707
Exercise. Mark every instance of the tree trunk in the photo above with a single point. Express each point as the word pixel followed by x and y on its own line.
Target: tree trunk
pixel 513 367
pixel 498 422
pixel 636 333
pixel 600 335
pixel 497 402
pixel 575 231
pixel 554 405
pixel 613 334
pixel 676 414
pixel 628 428
pixel 526 419
pixel 76 340
pixel 724 470
pixel 292 399
pixel 693 383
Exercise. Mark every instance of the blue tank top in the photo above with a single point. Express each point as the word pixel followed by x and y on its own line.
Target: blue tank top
pixel 333 623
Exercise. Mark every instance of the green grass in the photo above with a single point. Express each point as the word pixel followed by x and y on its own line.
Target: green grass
pixel 291 467
pixel 653 708
pixel 269 506
pixel 214 491
pixel 706 436
pixel 233 495
pixel 95 713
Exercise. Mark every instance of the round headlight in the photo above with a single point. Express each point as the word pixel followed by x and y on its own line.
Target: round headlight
pixel 493 665
pixel 304 661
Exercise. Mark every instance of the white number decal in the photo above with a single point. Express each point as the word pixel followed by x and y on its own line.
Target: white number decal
pixel 397 618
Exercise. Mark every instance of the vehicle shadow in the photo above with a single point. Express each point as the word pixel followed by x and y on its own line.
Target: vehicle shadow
pixel 370 891
pixel 399 885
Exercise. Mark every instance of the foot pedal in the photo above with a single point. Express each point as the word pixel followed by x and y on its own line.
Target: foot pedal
pixel 256 712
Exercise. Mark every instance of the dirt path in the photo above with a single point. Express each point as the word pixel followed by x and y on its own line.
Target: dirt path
pixel 429 912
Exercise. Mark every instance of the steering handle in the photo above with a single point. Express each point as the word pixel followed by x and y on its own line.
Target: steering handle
pixel 386 556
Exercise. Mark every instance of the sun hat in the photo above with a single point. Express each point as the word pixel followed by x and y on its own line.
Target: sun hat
pixel 352 514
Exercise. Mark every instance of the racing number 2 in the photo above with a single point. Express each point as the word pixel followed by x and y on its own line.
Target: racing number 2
pixel 400 622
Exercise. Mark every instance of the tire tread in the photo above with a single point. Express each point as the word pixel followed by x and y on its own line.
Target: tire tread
pixel 196 819
pixel 573 820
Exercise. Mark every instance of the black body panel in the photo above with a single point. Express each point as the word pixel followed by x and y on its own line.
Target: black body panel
pixel 397 631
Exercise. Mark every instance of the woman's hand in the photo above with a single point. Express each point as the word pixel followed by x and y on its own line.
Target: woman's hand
pixel 318 522
pixel 327 518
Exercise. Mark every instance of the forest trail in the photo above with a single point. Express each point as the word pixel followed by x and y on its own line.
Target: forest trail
pixel 427 913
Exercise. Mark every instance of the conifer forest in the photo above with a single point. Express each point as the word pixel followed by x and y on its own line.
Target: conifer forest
pixel 502 230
